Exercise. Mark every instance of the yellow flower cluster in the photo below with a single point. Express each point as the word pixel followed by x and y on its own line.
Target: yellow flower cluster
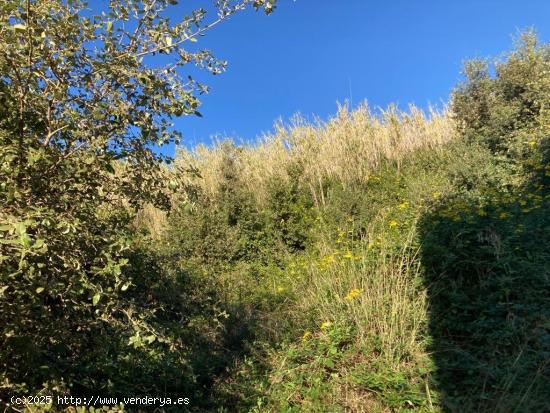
pixel 328 260
pixel 354 293
pixel 527 202
pixel 325 325
pixel 348 255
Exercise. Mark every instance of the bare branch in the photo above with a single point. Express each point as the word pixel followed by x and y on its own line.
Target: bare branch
pixel 51 134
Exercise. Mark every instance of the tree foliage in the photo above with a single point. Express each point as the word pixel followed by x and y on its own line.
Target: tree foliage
pixel 506 105
pixel 85 97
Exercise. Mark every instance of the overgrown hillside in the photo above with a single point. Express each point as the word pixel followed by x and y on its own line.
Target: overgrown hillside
pixel 383 261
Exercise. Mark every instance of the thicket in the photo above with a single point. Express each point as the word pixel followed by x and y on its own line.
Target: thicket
pixel 84 309
pixel 378 261
pixel 423 277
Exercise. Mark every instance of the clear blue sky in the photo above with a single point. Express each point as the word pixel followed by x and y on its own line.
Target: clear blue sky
pixel 310 54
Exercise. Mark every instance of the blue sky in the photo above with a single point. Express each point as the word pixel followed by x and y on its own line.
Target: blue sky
pixel 310 54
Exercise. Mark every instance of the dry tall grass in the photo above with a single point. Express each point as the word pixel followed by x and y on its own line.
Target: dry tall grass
pixel 347 147
pixel 377 290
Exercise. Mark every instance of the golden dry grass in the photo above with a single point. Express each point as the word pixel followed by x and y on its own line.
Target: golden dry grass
pixel 348 147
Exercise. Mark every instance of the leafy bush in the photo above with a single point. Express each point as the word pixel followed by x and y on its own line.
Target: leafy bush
pixel 80 112
pixel 485 244
pixel 507 111
pixel 374 262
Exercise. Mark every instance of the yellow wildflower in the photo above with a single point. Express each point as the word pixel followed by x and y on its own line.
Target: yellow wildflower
pixel 280 289
pixel 532 143
pixel 325 325
pixel 331 259
pixel 354 293
pixel 393 224
pixel 307 334
pixel 403 205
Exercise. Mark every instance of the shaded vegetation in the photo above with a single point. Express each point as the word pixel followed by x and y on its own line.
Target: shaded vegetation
pixel 376 262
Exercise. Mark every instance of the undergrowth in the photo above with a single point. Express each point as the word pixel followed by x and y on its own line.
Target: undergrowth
pixel 389 262
pixel 383 262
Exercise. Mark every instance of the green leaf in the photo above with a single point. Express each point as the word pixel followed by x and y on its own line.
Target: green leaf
pixel 20 228
pixel 39 290
pixel 135 341
pixel 9 241
pixel 39 243
pixel 25 240
pixel 96 298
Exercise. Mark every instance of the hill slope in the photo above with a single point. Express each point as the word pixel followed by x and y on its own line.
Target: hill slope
pixel 382 262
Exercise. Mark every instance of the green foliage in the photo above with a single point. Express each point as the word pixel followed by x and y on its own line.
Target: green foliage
pixel 421 284
pixel 487 257
pixel 419 287
pixel 327 371
pixel 485 244
pixel 290 210
pixel 228 228
pixel 81 108
pixel 508 110
pixel 481 208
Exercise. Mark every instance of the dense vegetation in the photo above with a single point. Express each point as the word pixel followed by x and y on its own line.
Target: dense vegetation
pixel 377 262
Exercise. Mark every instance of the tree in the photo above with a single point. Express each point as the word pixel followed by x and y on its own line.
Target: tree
pixel 506 105
pixel 84 99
